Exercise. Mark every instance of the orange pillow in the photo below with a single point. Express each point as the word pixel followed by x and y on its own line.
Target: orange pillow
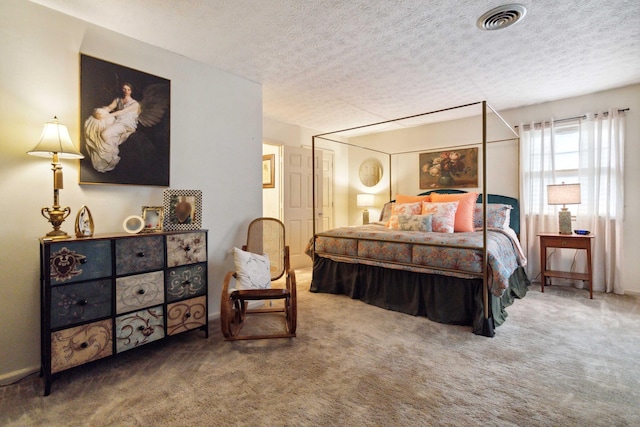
pixel 464 213
pixel 403 198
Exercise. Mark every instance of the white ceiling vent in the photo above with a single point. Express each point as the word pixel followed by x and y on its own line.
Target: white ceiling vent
pixel 501 17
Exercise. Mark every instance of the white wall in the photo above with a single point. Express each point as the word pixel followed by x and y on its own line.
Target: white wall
pixel 216 125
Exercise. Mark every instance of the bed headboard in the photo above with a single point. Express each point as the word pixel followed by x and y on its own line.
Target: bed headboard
pixel 514 220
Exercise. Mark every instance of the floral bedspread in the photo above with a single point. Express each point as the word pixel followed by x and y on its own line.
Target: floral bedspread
pixel 453 254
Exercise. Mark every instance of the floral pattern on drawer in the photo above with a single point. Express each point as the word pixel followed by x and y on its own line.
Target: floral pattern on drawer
pixel 74 261
pixel 139 328
pixel 186 282
pixel 186 248
pixel 134 255
pixel 76 346
pixel 139 291
pixel 186 315
pixel 81 302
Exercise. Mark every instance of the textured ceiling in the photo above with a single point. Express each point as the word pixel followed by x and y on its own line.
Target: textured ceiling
pixel 332 64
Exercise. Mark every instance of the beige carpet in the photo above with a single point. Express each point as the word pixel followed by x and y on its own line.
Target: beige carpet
pixel 559 360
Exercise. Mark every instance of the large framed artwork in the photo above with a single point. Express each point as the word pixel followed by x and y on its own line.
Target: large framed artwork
pixel 125 117
pixel 449 169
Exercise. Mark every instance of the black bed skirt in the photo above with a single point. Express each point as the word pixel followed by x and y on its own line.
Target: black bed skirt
pixel 443 299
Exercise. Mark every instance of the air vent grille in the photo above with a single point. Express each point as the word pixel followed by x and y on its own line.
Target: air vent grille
pixel 502 17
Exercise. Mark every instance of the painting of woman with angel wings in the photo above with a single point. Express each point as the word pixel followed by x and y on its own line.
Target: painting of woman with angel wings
pixel 125 135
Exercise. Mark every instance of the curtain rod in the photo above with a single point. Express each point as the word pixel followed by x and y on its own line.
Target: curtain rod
pixel 582 117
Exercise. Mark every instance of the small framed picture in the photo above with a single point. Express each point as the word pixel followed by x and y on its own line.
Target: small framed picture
pixel 182 210
pixel 84 223
pixel 268 171
pixel 153 218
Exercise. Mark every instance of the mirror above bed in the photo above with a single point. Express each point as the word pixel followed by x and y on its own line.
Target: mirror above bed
pixel 370 172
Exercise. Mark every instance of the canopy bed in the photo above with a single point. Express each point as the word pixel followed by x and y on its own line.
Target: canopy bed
pixel 412 261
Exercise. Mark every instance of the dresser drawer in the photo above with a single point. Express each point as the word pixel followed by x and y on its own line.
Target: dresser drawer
pixel 76 346
pixel 185 315
pixel 74 261
pixel 135 255
pixel 139 328
pixel 186 282
pixel 139 291
pixel 80 302
pixel 186 248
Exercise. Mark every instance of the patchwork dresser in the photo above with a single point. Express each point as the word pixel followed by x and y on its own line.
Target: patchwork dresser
pixel 108 294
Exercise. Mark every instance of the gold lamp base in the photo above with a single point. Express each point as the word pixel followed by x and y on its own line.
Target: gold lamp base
pixel 56 217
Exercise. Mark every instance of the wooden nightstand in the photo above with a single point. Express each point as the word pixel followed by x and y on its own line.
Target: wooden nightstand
pixel 566 241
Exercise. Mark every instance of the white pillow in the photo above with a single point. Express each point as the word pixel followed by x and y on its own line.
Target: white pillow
pixel 252 270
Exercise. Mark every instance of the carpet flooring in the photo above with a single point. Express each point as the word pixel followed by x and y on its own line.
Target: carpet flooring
pixel 560 359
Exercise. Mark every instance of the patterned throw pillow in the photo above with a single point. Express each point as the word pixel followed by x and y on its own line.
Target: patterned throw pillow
pixel 385 214
pixel 403 209
pixel 252 270
pixel 444 215
pixel 464 213
pixel 498 215
pixel 415 222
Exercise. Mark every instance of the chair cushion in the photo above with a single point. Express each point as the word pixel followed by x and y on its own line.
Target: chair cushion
pixel 252 270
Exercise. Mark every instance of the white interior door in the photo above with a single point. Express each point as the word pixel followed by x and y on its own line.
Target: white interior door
pixel 298 201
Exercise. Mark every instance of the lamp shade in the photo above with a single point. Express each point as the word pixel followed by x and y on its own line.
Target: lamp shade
pixel 364 200
pixel 55 139
pixel 563 194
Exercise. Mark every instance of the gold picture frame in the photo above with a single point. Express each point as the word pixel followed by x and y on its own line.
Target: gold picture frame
pixel 455 168
pixel 153 217
pixel 268 171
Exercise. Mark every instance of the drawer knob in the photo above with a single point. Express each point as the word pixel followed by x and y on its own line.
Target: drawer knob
pixel 84 345
pixel 141 328
pixel 141 292
pixel 82 302
pixel 83 260
pixel 187 315
pixel 186 283
pixel 187 248
pixel 140 254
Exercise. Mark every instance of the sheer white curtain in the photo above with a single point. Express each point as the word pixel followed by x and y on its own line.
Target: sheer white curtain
pixel 589 151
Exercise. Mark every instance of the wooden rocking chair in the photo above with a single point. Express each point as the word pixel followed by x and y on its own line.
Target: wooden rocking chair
pixel 265 236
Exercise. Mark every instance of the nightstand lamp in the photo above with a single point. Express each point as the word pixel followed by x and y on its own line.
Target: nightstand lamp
pixel 364 201
pixel 564 194
pixel 56 143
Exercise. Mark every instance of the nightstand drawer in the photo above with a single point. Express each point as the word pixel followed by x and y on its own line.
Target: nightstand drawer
pixel 139 291
pixel 185 315
pixel 80 302
pixel 136 255
pixel 186 282
pixel 76 346
pixel 75 261
pixel 566 242
pixel 186 248
pixel 139 328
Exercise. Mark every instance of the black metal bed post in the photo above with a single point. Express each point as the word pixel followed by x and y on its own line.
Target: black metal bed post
pixel 313 190
pixel 487 325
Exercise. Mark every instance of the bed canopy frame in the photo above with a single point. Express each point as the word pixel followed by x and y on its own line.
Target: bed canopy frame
pixel 446 114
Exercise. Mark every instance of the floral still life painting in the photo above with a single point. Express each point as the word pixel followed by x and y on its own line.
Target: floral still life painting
pixel 449 169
